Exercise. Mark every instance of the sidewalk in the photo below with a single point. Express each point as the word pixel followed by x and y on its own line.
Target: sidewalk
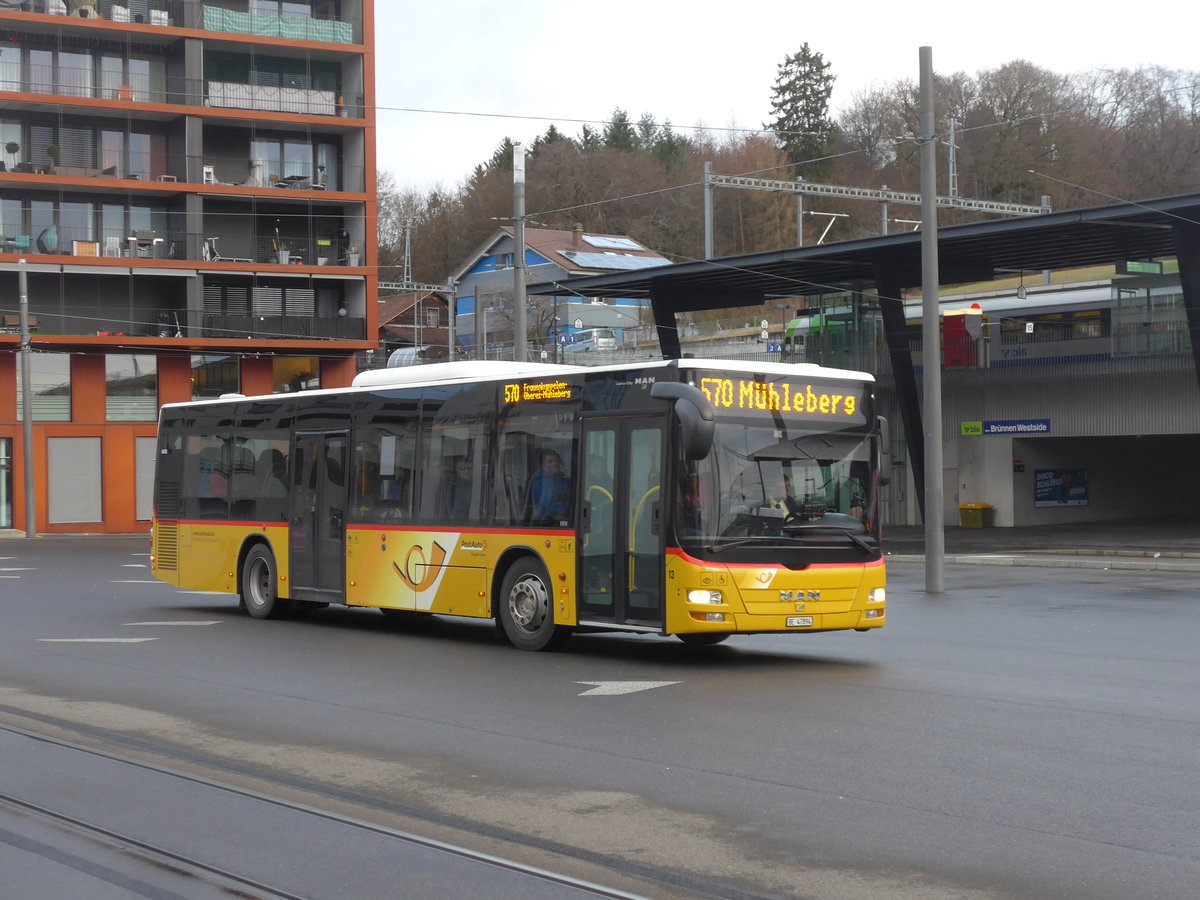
pixel 1149 544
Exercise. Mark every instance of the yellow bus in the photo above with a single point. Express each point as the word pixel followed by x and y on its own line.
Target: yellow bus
pixel 695 498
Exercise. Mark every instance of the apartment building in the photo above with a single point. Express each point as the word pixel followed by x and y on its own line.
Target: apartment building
pixel 189 186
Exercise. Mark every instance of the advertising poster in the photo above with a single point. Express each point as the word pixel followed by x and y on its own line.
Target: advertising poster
pixel 1060 487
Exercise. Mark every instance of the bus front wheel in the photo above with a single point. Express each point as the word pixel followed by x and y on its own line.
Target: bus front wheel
pixel 527 608
pixel 260 585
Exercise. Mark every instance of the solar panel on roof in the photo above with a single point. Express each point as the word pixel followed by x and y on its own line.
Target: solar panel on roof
pixel 613 243
pixel 615 261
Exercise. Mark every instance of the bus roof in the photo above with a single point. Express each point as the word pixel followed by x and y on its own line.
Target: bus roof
pixel 490 369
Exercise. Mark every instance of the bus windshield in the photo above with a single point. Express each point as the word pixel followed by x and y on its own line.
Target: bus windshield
pixel 763 487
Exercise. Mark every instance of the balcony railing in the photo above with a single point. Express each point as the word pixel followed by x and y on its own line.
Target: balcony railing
pixel 78 81
pixel 260 249
pixel 212 16
pixel 345 328
pixel 208 169
pixel 173 322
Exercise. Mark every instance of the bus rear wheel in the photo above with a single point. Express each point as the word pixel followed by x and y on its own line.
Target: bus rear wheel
pixel 260 585
pixel 527 608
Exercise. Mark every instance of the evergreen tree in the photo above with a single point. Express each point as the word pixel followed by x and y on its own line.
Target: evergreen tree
pixel 647 132
pixel 589 139
pixel 619 133
pixel 800 107
pixel 669 148
pixel 552 136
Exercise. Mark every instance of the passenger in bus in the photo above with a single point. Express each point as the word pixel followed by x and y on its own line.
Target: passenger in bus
pixel 458 490
pixel 549 495
pixel 271 469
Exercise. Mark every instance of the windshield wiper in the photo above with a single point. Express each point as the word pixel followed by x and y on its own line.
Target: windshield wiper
pixel 743 541
pixel 831 531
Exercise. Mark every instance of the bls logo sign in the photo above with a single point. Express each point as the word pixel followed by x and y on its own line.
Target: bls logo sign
pixel 418 573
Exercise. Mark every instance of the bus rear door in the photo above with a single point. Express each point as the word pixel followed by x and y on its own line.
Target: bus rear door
pixel 621 535
pixel 317 536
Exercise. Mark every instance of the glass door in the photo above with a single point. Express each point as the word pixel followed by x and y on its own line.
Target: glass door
pixel 6 487
pixel 318 522
pixel 621 534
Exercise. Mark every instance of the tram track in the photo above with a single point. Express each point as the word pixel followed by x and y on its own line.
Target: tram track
pixel 231 880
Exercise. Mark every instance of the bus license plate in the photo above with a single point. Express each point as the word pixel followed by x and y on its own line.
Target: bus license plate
pixel 799 621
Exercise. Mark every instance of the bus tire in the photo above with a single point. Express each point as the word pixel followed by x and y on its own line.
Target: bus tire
pixel 527 608
pixel 703 638
pixel 260 585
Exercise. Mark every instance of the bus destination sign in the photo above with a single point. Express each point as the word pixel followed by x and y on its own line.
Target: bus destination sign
pixel 536 391
pixel 748 395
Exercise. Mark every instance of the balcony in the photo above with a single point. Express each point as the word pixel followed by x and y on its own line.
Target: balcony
pixel 274 98
pixel 82 81
pixel 342 328
pixel 209 169
pixel 230 17
pixel 218 18
pixel 81 242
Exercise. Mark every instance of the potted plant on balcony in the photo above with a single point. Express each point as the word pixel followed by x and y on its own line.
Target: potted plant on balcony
pixel 12 148
pixel 281 249
pixel 52 151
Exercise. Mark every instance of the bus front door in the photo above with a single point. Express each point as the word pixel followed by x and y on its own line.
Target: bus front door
pixel 621 532
pixel 318 518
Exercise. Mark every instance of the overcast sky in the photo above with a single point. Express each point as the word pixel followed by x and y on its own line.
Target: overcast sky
pixel 443 66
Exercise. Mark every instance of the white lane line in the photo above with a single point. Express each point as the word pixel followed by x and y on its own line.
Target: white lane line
pixel 205 593
pixel 17 569
pixel 134 566
pixel 12 577
pixel 95 640
pixel 133 581
pixel 139 554
pixel 207 622
pixel 615 688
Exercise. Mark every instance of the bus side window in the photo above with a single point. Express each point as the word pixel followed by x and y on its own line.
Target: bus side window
pixel 206 476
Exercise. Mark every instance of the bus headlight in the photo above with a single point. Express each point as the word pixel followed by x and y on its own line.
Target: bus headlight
pixel 876 595
pixel 705 596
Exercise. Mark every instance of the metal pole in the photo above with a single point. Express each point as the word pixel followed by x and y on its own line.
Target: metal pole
pixel 26 403
pixel 708 211
pixel 519 300
pixel 799 217
pixel 935 538
pixel 451 321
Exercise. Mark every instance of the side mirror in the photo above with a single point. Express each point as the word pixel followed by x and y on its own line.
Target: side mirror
pixel 697 421
pixel 883 460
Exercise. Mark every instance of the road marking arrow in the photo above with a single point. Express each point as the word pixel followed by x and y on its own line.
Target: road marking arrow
pixel 615 688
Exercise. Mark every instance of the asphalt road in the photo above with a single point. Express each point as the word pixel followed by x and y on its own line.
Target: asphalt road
pixel 1030 733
